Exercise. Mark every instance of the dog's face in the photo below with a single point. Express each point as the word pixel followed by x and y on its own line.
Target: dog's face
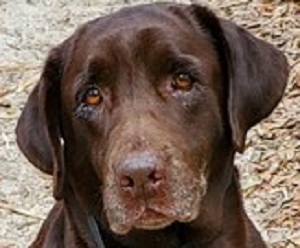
pixel 145 100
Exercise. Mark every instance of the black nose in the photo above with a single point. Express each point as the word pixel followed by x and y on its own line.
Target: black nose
pixel 140 171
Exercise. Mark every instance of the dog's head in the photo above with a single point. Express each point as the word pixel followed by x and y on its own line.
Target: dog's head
pixel 141 108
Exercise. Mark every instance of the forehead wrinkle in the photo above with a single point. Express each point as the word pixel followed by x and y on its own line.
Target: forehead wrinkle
pixel 112 52
pixel 122 67
pixel 152 50
pixel 149 40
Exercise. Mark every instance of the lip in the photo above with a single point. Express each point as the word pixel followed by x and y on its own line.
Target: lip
pixel 151 220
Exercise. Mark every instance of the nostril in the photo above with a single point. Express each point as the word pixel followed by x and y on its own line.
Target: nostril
pixel 155 177
pixel 138 171
pixel 126 182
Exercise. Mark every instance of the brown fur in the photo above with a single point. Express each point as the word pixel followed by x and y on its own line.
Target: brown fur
pixel 174 148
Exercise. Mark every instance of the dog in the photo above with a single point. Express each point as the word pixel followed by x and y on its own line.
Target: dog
pixel 138 116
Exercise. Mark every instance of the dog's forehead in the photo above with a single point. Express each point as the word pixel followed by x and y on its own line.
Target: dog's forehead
pixel 142 27
pixel 139 37
pixel 160 14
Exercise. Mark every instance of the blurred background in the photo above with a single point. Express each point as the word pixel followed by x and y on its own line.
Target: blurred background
pixel 270 166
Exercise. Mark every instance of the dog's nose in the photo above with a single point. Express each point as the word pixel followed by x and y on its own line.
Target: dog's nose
pixel 140 172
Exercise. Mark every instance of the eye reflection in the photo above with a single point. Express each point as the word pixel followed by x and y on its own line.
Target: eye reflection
pixel 182 81
pixel 93 96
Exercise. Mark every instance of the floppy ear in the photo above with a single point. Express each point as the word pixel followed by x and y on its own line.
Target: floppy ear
pixel 38 130
pixel 258 76
pixel 256 73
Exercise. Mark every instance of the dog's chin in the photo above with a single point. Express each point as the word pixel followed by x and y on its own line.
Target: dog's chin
pixel 152 220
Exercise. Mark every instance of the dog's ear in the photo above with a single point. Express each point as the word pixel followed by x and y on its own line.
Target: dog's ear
pixel 39 133
pixel 256 73
pixel 258 76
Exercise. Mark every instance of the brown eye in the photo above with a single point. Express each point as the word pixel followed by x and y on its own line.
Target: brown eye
pixel 182 82
pixel 93 96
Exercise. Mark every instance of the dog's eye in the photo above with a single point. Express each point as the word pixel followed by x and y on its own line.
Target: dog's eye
pixel 93 96
pixel 182 82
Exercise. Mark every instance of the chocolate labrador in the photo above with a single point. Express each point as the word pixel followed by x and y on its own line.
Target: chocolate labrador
pixel 138 116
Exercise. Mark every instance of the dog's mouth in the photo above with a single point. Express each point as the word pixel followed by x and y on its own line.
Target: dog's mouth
pixel 147 219
pixel 146 204
pixel 179 202
pixel 152 220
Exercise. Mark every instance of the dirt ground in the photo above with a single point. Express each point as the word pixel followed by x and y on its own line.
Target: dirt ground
pixel 270 167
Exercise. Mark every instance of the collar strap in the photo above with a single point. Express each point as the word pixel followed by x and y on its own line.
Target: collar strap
pixel 94 230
